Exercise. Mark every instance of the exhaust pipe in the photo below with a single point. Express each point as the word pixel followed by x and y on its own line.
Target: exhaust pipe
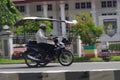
pixel 34 59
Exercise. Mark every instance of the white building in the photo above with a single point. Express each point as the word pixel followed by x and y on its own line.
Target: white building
pixel 104 12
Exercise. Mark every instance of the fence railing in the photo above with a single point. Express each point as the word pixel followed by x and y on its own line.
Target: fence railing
pixel 114 47
pixel 0 47
pixel 23 38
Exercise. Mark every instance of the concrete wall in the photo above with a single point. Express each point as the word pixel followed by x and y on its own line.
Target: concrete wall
pixel 63 75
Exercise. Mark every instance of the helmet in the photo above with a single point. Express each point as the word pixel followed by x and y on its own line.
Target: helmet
pixel 43 26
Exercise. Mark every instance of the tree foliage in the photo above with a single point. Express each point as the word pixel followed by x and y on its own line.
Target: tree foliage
pixel 33 26
pixel 86 29
pixel 8 13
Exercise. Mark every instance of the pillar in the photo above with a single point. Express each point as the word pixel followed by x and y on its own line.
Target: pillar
pixel 93 12
pixel 7 42
pixel 118 14
pixel 79 46
pixel 45 11
pixel 62 10
pixel 28 9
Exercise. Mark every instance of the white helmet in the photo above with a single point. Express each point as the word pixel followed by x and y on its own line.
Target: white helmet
pixel 42 25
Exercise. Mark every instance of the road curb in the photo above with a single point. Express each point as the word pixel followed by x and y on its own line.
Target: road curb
pixel 63 75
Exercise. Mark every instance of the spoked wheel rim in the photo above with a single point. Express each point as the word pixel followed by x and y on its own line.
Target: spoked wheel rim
pixel 30 62
pixel 65 58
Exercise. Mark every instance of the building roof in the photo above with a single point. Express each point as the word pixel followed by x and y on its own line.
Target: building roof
pixel 27 1
pixel 19 1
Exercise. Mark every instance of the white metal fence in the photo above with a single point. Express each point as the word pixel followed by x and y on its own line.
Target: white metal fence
pixel 23 38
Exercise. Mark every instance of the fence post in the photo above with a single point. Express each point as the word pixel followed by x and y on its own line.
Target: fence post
pixel 79 46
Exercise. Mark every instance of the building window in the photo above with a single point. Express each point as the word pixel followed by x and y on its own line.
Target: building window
pixel 89 5
pixel 114 13
pixel 83 5
pixel 49 7
pixel 114 3
pixel 103 4
pixel 39 8
pixel 110 13
pixel 21 8
pixel 77 5
pixel 66 6
pixel 105 14
pixel 109 4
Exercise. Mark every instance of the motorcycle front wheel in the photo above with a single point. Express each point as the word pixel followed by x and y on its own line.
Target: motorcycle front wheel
pixel 65 58
pixel 28 59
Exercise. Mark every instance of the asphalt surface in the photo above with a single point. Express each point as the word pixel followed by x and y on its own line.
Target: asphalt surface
pixel 56 67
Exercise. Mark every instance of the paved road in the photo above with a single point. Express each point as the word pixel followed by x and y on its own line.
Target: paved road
pixel 55 67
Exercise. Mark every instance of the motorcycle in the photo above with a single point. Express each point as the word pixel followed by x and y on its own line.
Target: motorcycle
pixel 33 56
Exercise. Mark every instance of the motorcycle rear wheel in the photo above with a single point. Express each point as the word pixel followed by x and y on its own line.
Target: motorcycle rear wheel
pixel 65 58
pixel 29 62
pixel 43 64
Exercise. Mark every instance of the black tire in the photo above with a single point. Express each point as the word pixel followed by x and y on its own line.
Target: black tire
pixel 106 58
pixel 43 64
pixel 65 58
pixel 29 62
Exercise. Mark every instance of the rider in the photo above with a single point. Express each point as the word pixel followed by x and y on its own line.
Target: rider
pixel 42 41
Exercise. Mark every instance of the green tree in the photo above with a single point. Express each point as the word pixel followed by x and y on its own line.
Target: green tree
pixel 87 29
pixel 8 13
pixel 32 26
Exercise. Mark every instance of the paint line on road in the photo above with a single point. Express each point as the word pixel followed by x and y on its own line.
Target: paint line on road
pixel 104 70
pixel 51 71
pixel 58 71
pixel 11 72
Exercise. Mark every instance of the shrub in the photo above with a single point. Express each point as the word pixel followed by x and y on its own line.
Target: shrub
pixel 96 59
pixel 87 29
pixel 115 58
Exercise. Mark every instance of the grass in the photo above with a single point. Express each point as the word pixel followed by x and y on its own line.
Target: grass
pixel 8 61
pixel 88 59
pixel 95 59
pixel 76 59
pixel 115 58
